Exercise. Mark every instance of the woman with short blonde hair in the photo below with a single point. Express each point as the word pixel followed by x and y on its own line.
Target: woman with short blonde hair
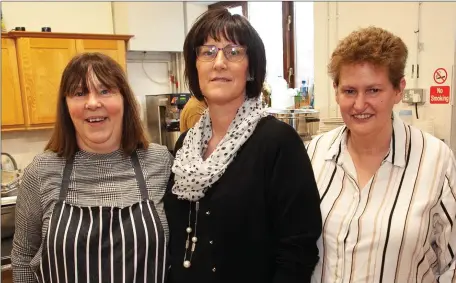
pixel 387 189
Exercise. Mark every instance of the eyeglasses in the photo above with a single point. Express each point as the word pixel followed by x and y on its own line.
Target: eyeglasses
pixel 233 53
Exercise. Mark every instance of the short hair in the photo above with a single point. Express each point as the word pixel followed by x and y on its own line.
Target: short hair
pixel 76 74
pixel 217 23
pixel 373 45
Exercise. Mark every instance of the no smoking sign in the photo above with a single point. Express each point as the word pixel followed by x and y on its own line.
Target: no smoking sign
pixel 440 76
pixel 439 95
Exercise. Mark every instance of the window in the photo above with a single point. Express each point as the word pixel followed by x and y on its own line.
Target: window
pixel 266 18
pixel 287 30
pixel 235 7
pixel 237 10
pixel 304 25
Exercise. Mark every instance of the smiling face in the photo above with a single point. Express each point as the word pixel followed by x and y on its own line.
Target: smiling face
pixel 97 114
pixel 366 97
pixel 221 80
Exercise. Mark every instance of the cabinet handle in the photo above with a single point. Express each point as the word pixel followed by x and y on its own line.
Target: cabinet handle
pixel 417 71
pixel 413 70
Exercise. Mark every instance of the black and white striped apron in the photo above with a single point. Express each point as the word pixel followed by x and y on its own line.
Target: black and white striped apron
pixel 103 244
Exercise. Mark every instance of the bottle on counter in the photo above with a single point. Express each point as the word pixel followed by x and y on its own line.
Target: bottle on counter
pixel 312 96
pixel 304 91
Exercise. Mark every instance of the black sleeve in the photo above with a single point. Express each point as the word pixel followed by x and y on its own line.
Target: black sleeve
pixel 294 203
pixel 177 146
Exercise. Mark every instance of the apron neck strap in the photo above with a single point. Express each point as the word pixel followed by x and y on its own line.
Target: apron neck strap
pixel 139 176
pixel 136 166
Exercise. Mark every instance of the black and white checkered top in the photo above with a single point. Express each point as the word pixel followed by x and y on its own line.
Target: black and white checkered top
pixel 97 180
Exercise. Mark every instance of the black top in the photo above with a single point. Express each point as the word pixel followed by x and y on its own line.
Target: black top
pixel 259 222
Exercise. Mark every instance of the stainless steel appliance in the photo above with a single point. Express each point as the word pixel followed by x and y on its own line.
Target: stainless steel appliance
pixel 305 121
pixel 163 117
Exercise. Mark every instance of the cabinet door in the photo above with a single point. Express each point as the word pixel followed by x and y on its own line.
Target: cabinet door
pixel 41 62
pixel 12 111
pixel 113 48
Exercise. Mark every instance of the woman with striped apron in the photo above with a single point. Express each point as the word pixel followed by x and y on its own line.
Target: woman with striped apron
pixel 100 244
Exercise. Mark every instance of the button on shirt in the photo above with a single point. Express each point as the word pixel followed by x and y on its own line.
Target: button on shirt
pixel 399 227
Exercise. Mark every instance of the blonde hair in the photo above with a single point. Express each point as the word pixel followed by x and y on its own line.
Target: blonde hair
pixel 372 45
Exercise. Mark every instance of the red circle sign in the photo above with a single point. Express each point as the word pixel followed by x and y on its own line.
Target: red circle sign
pixel 440 76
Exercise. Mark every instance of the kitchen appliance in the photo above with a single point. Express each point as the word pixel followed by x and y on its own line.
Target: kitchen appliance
pixel 163 117
pixel 305 121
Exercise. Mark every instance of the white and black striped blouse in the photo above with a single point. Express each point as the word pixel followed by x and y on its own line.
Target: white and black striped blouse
pixel 400 226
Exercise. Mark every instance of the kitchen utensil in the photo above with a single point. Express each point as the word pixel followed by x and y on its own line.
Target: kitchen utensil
pixel 305 121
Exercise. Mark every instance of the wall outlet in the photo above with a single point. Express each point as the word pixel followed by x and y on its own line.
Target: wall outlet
pixel 413 95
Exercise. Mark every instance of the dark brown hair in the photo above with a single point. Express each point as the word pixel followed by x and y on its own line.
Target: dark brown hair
pixel 217 23
pixel 373 45
pixel 109 73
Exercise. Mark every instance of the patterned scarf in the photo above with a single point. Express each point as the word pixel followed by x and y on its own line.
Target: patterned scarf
pixel 193 175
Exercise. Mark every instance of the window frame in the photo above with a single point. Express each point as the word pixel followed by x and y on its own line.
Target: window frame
pixel 288 31
pixel 289 58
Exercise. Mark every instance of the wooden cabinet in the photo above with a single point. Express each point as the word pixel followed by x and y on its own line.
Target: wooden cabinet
pixel 33 67
pixel 12 109
pixel 41 61
pixel 113 48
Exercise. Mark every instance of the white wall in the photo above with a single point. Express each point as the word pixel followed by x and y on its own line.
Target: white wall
pixel 335 20
pixel 72 17
pixel 148 75
pixel 192 11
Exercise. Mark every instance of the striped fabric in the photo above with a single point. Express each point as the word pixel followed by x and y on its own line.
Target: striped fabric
pixel 399 227
pixel 85 236
pixel 97 180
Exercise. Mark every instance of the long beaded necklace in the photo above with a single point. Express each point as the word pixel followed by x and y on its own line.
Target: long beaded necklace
pixel 188 262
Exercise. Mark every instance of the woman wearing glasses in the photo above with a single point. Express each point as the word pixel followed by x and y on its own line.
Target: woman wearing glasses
pixel 242 203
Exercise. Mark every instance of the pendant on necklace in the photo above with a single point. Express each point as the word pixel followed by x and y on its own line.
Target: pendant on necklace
pixel 187 264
